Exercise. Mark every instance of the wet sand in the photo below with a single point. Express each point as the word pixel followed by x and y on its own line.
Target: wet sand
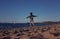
pixel 35 32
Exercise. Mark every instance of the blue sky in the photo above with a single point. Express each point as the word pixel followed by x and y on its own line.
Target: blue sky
pixel 18 10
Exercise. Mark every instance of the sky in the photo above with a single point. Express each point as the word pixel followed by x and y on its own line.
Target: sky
pixel 16 11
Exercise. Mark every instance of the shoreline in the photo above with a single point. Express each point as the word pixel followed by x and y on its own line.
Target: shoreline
pixel 35 32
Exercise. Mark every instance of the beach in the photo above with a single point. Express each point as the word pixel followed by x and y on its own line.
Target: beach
pixel 32 32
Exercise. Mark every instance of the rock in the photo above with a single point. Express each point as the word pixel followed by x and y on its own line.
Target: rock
pixel 15 32
pixel 6 38
pixel 55 33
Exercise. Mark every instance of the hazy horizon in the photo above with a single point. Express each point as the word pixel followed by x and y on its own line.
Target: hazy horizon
pixel 16 11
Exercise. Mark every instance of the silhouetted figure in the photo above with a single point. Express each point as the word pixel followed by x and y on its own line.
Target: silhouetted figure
pixel 31 19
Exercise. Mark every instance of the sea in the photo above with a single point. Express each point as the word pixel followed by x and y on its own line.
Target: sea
pixel 18 25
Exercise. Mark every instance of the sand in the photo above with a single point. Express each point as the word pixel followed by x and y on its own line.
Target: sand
pixel 35 32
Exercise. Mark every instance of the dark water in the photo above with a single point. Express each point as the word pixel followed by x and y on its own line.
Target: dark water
pixel 17 25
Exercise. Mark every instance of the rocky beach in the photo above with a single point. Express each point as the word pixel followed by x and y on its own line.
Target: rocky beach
pixel 33 32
